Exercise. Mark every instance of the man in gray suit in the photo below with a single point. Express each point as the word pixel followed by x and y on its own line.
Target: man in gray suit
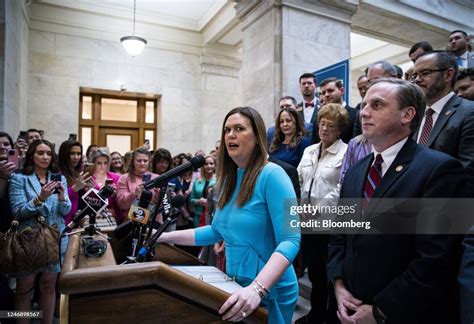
pixel 448 124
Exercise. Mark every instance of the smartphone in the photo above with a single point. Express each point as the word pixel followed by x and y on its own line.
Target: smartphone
pixel 55 177
pixel 23 135
pixel 89 167
pixel 109 182
pixel 171 187
pixel 13 157
pixel 73 137
pixel 146 177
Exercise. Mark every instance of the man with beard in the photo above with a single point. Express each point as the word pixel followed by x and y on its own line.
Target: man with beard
pixel 458 44
pixel 308 108
pixel 448 124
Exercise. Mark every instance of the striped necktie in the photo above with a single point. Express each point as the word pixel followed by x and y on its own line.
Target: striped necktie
pixel 426 131
pixel 373 179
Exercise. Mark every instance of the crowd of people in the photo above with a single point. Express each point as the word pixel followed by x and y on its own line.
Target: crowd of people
pixel 411 138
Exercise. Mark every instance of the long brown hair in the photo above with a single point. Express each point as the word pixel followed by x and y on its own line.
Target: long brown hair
pixel 227 168
pixel 300 131
pixel 64 161
pixel 29 166
pixel 131 167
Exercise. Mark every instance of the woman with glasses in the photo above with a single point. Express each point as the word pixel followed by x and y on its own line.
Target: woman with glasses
pixel 289 141
pixel 319 172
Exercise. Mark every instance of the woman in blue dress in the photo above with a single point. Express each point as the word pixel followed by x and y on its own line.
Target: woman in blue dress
pixel 290 138
pixel 252 220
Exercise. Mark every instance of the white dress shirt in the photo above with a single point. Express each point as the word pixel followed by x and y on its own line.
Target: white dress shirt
pixel 389 154
pixel 437 107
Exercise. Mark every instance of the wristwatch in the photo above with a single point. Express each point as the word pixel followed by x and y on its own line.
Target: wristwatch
pixel 378 317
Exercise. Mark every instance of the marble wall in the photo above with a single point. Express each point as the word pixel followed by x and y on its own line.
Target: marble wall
pixel 192 102
pixel 281 41
pixel 14 67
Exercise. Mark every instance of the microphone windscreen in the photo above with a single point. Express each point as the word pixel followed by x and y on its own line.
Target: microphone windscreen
pixel 106 191
pixel 145 198
pixel 197 161
pixel 178 201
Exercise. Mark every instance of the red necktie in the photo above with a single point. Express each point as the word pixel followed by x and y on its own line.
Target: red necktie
pixel 373 179
pixel 425 133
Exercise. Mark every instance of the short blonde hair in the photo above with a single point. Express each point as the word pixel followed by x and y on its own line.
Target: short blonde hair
pixel 336 113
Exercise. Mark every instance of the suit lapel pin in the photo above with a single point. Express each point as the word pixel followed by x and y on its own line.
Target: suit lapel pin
pixel 448 112
pixel 399 168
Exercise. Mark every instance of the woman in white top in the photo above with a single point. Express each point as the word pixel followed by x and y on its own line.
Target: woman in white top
pixel 319 171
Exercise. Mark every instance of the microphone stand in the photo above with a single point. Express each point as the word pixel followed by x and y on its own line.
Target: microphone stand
pixel 91 229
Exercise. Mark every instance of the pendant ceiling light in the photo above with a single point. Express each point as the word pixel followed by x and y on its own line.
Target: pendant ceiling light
pixel 134 45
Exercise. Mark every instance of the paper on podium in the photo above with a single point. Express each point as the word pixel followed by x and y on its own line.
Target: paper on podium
pixel 212 276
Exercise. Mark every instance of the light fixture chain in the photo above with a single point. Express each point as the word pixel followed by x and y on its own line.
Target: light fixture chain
pixel 134 9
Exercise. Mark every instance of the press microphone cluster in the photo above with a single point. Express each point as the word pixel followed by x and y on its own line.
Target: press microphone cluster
pixel 96 202
pixel 139 211
pixel 193 164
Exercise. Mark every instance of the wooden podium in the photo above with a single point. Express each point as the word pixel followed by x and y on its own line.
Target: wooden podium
pixel 97 290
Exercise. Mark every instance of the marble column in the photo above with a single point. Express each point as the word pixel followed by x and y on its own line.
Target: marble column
pixel 283 39
pixel 13 66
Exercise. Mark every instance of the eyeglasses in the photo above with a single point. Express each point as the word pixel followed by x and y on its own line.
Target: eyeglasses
pixel 425 73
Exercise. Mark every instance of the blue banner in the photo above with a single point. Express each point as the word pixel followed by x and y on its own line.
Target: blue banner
pixel 339 70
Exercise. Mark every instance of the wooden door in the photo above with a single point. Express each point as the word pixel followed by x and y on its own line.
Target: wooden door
pixel 121 140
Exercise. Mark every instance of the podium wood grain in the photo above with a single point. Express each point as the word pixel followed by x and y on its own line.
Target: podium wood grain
pixel 99 291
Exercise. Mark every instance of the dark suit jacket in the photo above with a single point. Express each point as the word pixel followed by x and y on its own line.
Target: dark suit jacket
pixel 411 278
pixel 314 117
pixel 453 133
pixel 291 172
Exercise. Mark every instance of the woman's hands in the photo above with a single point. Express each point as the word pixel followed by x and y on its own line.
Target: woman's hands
pixel 219 248
pixel 83 181
pixel 202 202
pixel 240 304
pixel 48 189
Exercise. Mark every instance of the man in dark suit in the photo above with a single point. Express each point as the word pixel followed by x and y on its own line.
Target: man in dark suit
pixel 450 126
pixel 405 278
pixel 332 91
pixel 309 107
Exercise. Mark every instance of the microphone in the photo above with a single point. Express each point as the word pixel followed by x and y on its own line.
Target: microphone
pixel 139 211
pixel 178 201
pixel 152 241
pixel 195 163
pixel 96 201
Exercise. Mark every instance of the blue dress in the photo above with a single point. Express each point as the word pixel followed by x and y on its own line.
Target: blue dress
pixel 292 156
pixel 253 232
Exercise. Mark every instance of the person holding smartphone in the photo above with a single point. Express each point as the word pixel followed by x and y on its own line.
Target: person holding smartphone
pixel 78 181
pixel 130 184
pixel 101 176
pixel 198 196
pixel 31 192
pixel 7 167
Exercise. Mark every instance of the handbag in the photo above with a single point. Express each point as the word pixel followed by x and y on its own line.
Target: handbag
pixel 30 250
